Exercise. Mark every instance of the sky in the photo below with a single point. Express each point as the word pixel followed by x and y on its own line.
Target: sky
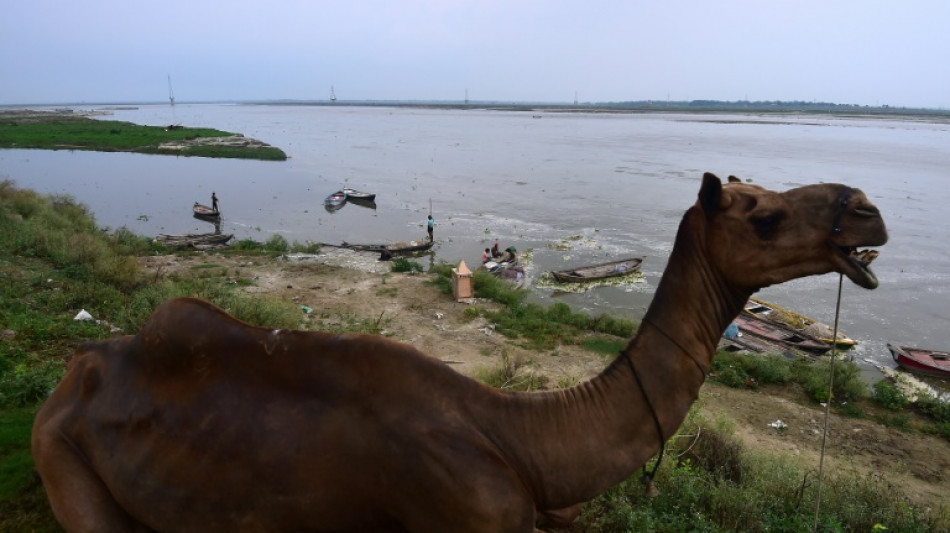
pixel 866 52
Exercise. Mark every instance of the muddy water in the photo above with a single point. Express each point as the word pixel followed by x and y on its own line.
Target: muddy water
pixel 566 189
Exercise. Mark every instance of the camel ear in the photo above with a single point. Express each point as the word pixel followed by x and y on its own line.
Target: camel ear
pixel 733 179
pixel 710 194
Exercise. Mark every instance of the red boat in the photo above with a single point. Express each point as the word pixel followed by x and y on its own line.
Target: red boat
pixel 922 360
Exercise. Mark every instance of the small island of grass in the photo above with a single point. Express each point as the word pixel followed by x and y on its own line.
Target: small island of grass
pixel 58 130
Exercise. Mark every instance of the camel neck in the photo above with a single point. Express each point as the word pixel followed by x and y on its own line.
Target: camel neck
pixel 592 436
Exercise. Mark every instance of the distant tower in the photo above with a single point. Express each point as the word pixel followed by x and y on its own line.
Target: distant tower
pixel 171 94
pixel 332 94
pixel 575 97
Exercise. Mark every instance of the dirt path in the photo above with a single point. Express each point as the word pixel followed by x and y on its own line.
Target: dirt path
pixel 341 286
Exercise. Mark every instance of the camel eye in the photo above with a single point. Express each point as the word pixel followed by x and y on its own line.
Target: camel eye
pixel 767 225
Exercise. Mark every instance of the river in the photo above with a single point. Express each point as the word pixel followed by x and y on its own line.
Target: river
pixel 565 188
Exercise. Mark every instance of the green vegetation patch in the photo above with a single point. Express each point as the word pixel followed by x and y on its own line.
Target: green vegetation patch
pixel 543 328
pixel 55 262
pixel 64 131
pixel 710 482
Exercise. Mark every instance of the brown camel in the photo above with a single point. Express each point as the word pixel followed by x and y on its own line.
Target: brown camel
pixel 203 423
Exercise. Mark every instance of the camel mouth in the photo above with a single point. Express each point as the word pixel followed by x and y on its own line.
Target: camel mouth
pixel 858 267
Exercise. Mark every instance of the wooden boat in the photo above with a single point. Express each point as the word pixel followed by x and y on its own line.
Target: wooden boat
pixel 336 199
pixel 620 267
pixel 801 323
pixel 922 360
pixel 204 212
pixel 395 248
pixel 781 336
pixel 353 194
pixel 195 240
pixel 334 208
pixel 369 204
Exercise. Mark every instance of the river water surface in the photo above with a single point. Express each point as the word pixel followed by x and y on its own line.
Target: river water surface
pixel 566 188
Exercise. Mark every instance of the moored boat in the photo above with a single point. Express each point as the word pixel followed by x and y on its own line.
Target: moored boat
pixel 922 360
pixel 195 240
pixel 798 322
pixel 620 267
pixel 781 336
pixel 354 194
pixel 336 199
pixel 204 212
pixel 369 204
pixel 395 248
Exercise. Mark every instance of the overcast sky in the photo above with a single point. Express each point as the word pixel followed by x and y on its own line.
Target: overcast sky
pixel 851 52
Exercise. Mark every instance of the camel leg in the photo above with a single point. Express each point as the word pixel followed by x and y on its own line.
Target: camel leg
pixel 80 500
pixel 559 517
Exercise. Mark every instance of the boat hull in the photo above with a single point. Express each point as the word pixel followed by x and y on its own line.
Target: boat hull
pixel 785 338
pixel 353 194
pixel 204 212
pixel 195 239
pixel 395 249
pixel 611 269
pixel 797 322
pixel 921 361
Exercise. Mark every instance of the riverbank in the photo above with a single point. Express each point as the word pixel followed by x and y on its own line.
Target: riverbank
pixel 66 130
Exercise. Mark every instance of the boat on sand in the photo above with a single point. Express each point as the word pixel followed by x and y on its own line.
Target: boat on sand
pixel 764 334
pixel 798 322
pixel 195 240
pixel 395 248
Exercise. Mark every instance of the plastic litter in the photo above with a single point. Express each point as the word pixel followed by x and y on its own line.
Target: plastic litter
pixel 83 315
pixel 778 424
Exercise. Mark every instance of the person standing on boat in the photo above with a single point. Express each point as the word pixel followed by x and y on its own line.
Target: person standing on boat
pixel 494 250
pixel 430 226
pixel 214 202
pixel 486 256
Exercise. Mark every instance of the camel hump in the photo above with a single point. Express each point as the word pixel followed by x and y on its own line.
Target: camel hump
pixel 182 330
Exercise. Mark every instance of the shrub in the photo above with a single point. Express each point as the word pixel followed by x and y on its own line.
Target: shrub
pixel 888 395
pixel 934 408
pixel 306 248
pixel 741 369
pixel 815 376
pixel 25 385
pixel 401 264
pixel 276 243
pixel 507 375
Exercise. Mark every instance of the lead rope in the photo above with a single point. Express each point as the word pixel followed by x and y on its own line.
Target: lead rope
pixel 647 477
pixel 831 382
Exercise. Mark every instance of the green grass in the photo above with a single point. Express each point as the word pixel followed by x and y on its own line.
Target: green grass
pixel 540 327
pixel 604 345
pixel 710 482
pixel 54 262
pixel 65 132
pixel 401 264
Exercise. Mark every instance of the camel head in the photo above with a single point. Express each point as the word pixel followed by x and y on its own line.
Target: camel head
pixel 756 237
